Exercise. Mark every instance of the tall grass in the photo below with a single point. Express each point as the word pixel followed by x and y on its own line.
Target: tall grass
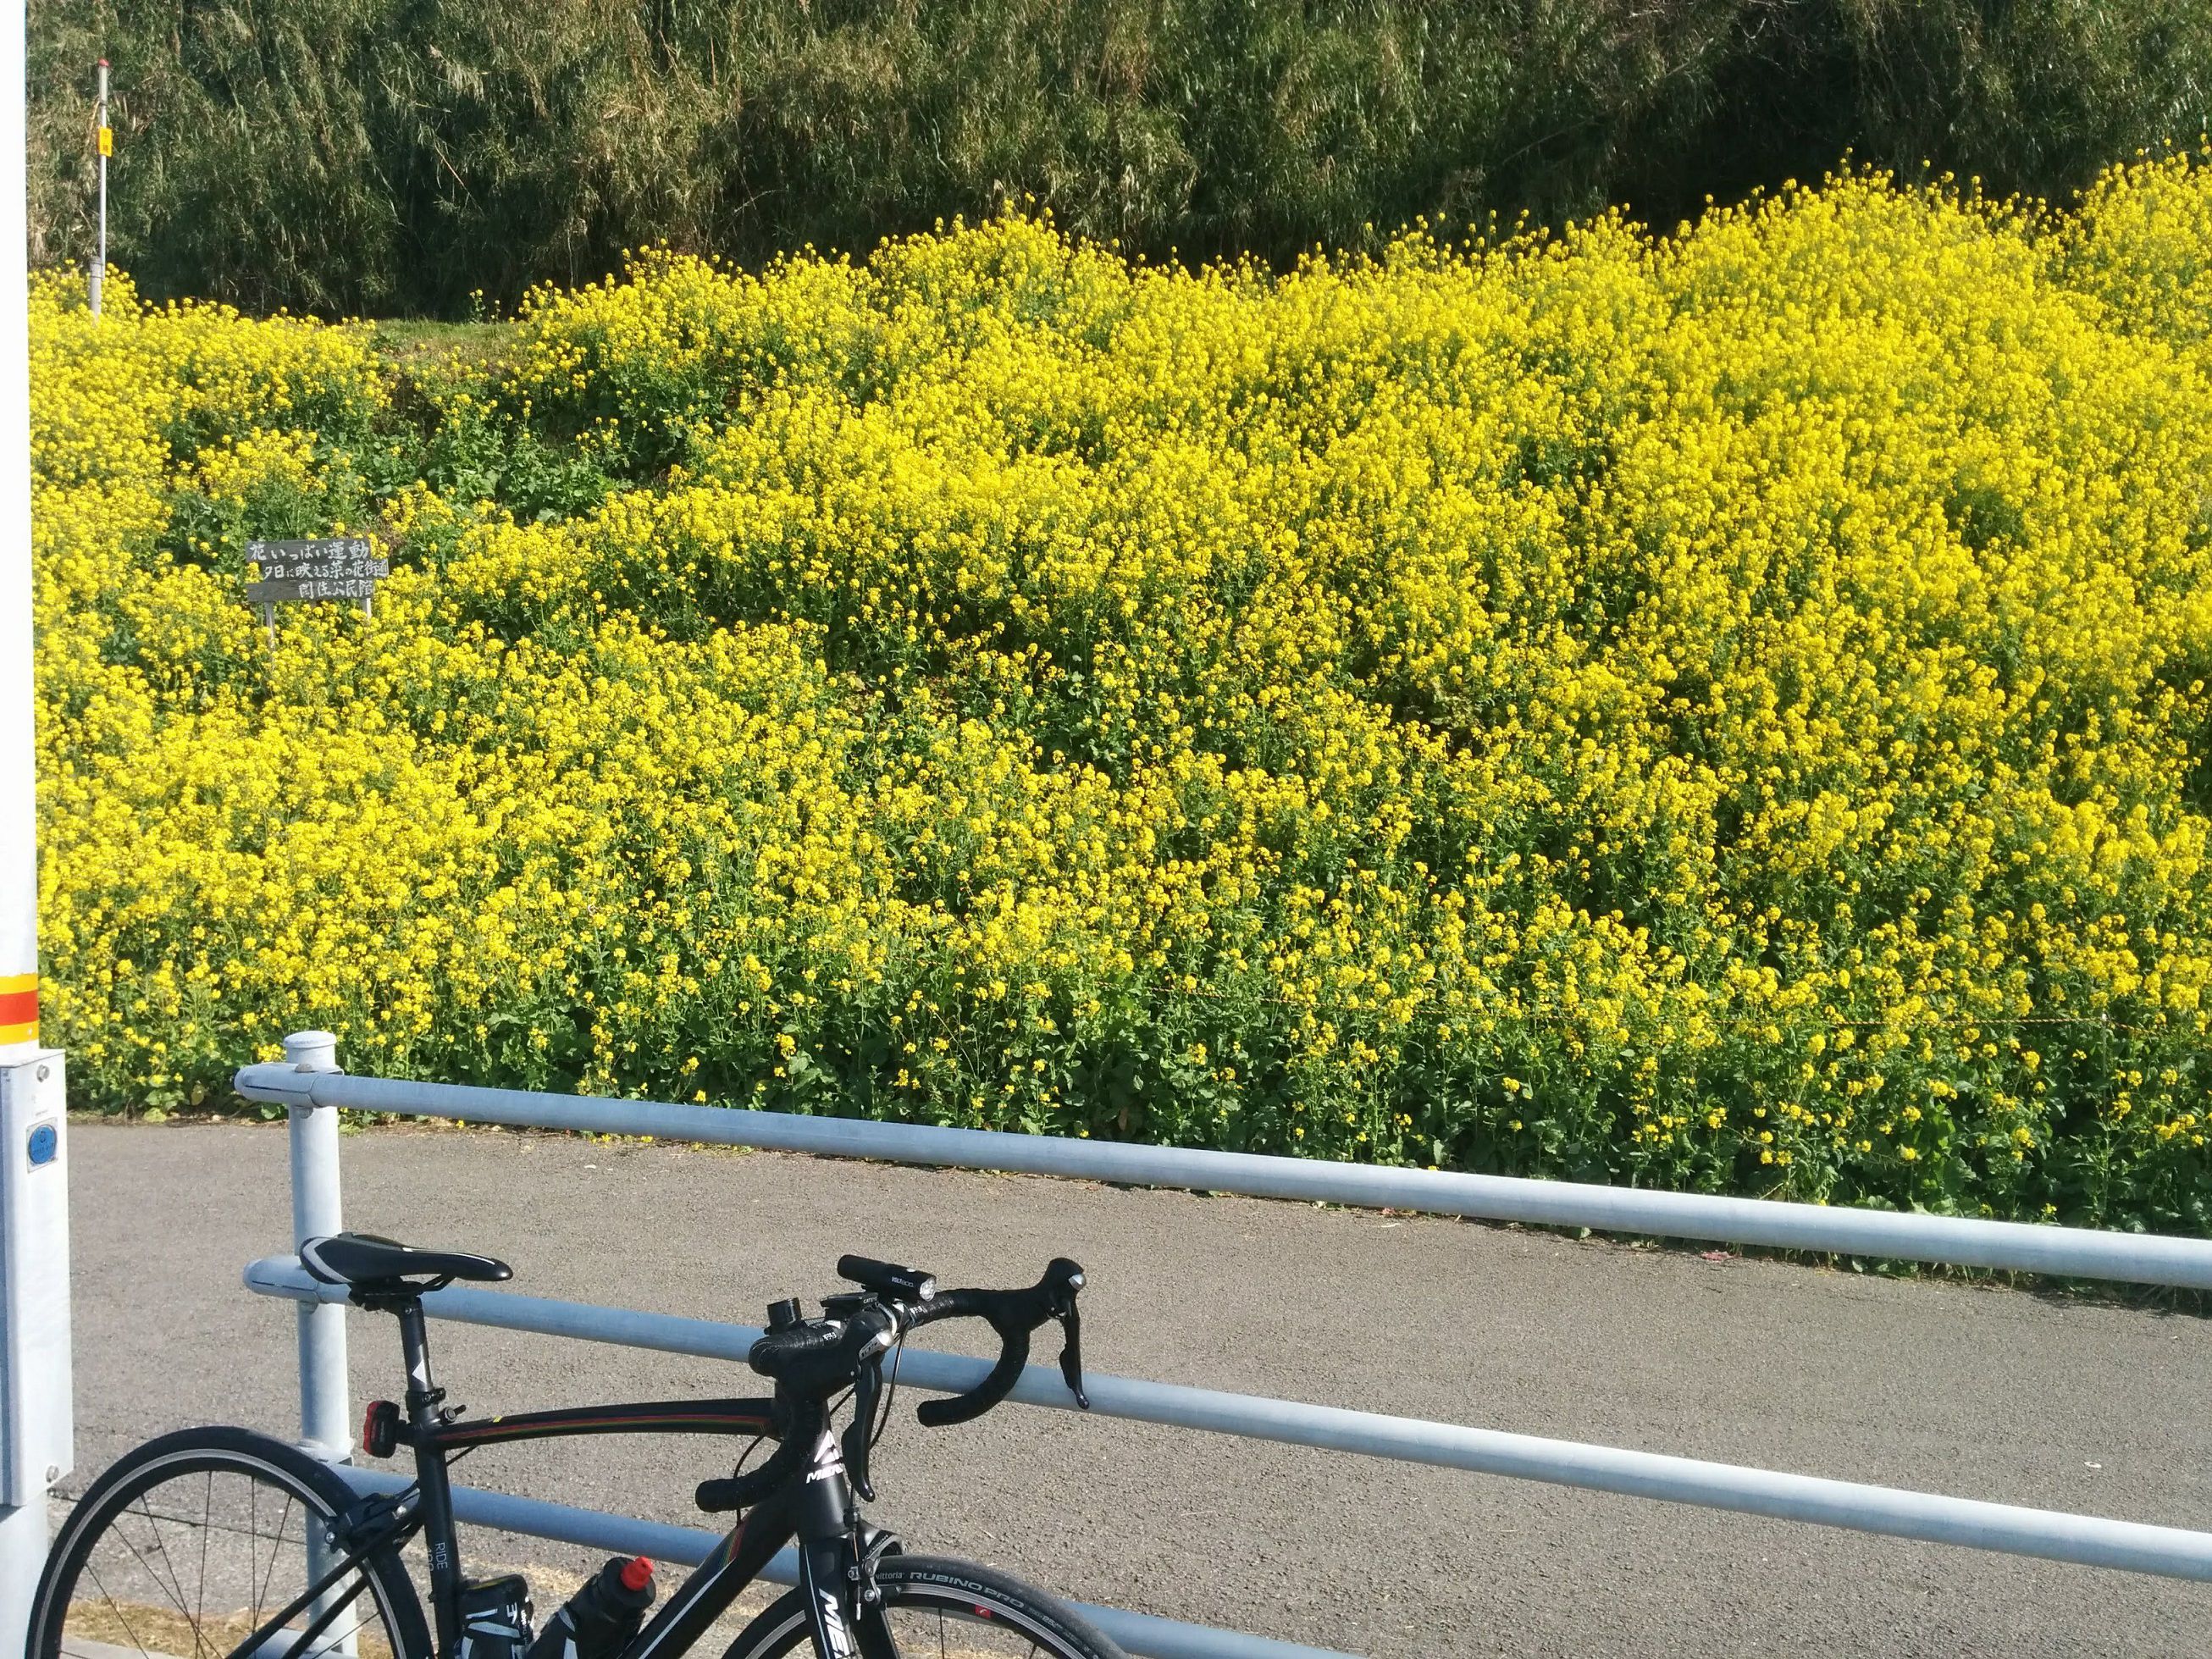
pixel 400 156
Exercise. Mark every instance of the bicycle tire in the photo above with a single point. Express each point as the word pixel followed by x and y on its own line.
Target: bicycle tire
pixel 117 1507
pixel 980 1599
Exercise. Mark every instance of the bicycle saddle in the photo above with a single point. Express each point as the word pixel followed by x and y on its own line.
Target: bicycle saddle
pixel 365 1261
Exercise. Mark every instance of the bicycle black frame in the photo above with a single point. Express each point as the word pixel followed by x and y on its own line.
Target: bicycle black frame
pixel 816 1506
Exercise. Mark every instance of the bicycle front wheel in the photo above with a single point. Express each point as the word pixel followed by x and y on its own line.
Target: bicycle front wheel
pixel 938 1608
pixel 191 1543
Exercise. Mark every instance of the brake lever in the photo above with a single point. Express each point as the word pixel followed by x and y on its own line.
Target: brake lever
pixel 867 1392
pixel 1071 1354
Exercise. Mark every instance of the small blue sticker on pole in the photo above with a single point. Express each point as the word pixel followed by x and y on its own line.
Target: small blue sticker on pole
pixel 45 1145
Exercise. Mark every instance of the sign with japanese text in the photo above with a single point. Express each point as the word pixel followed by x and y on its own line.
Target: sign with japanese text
pixel 336 568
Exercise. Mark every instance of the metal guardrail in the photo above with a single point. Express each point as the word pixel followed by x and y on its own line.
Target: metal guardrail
pixel 2063 1252
pixel 2088 1540
pixel 309 1086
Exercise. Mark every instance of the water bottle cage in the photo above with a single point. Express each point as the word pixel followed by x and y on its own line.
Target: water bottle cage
pixel 494 1618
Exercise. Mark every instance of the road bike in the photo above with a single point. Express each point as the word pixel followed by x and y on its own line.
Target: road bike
pixel 222 1543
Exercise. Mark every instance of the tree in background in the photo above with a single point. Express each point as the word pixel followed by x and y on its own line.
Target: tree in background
pixel 399 155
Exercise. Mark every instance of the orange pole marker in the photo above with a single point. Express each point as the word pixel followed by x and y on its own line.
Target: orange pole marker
pixel 19 1008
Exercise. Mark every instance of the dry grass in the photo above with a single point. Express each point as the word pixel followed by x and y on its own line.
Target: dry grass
pixel 168 1634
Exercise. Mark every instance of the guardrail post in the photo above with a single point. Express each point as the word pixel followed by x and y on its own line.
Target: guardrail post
pixel 326 1410
pixel 325 1413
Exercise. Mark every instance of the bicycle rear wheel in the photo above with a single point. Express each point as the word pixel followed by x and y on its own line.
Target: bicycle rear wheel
pixel 938 1608
pixel 188 1545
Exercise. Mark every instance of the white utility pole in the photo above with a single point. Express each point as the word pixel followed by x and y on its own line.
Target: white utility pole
pixel 35 1425
pixel 104 137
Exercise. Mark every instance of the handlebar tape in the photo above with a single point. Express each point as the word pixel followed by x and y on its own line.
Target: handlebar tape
pixel 961 1409
pixel 742 1491
pixel 822 1356
pixel 779 1352
pixel 1013 1314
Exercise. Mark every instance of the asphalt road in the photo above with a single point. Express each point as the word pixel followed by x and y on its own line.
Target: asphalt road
pixel 1981 1392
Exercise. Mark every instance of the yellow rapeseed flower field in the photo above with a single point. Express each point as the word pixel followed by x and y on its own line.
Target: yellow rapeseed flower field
pixel 1725 709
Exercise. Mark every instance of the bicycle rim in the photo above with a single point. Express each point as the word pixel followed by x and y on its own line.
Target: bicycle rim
pixel 188 1548
pixel 943 1609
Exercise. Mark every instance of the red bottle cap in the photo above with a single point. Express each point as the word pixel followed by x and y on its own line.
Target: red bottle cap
pixel 636 1573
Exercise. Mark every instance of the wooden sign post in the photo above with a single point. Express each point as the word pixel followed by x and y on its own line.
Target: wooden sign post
pixel 334 568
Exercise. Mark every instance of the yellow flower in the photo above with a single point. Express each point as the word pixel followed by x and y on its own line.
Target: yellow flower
pixel 1000 684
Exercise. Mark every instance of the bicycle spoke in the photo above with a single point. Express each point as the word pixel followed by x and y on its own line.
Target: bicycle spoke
pixel 253 1538
pixel 177 1594
pixel 193 1520
pixel 207 1515
pixel 176 1577
pixel 274 1550
pixel 332 1643
pixel 324 1643
pixel 174 1588
pixel 116 1607
pixel 159 1545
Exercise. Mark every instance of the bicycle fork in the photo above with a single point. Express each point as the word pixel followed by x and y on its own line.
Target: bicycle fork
pixel 837 1557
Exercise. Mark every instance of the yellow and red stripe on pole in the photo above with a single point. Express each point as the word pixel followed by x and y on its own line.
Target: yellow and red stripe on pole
pixel 19 1008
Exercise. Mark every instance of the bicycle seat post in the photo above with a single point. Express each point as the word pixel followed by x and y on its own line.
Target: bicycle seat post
pixel 423 1395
